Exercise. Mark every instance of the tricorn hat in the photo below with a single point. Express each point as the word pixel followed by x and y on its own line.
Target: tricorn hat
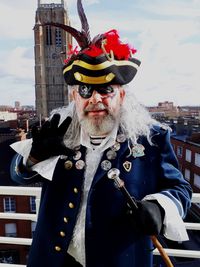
pixel 103 60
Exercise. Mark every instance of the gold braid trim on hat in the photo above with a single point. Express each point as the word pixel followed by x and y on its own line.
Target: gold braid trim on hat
pixel 94 80
pixel 100 66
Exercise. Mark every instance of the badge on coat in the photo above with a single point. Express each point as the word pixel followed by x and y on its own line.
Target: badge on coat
pixel 138 150
pixel 127 165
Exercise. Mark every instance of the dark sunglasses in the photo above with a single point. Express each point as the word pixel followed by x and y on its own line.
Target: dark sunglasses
pixel 86 91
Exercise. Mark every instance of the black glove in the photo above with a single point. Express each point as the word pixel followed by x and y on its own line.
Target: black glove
pixel 48 141
pixel 148 217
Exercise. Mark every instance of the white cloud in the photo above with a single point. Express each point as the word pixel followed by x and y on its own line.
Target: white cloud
pixel 18 64
pixel 163 33
pixel 16 21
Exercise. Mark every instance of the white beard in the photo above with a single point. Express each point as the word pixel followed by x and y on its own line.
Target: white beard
pixel 98 126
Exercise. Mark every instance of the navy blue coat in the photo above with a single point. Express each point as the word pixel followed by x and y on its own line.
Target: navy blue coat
pixel 111 240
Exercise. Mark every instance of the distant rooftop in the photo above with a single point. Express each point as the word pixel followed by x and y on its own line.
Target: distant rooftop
pixel 188 139
pixel 180 137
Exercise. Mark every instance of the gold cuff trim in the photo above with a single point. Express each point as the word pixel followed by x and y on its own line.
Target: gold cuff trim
pixel 94 80
pixel 100 66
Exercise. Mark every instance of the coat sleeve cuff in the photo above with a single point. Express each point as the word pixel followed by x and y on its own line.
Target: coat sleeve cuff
pixel 19 173
pixel 174 227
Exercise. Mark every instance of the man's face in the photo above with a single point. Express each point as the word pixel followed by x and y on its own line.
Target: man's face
pixel 99 112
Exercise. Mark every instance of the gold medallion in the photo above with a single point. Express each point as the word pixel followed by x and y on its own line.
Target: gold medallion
pixel 68 164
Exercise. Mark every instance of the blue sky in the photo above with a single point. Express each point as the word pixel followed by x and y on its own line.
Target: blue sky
pixel 165 33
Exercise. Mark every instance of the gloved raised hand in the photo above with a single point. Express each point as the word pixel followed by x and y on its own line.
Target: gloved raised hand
pixel 48 140
pixel 148 217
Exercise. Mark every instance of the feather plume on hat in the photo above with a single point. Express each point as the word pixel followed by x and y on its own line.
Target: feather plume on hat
pixel 102 60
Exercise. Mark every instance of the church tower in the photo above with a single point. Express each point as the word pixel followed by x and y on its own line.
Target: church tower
pixel 51 44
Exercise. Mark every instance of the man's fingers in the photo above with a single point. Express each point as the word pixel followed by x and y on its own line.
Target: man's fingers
pixel 64 125
pixel 55 121
pixel 45 128
pixel 34 131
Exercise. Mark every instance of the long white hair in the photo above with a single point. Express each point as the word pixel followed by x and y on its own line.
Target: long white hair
pixel 135 120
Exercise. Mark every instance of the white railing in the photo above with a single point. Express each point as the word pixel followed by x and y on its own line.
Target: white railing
pixel 36 191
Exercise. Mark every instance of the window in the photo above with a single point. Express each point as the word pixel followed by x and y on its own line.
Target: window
pixel 187 174
pixel 48 36
pixel 10 229
pixel 58 37
pixel 32 204
pixel 179 151
pixel 197 180
pixel 197 159
pixel 33 225
pixel 188 155
pixel 9 204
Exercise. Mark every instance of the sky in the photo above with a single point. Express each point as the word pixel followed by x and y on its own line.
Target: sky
pixel 165 33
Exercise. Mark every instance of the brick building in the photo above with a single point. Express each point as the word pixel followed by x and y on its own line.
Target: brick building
pixel 187 150
pixel 10 253
pixel 13 204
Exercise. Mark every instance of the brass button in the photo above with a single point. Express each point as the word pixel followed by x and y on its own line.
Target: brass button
pixel 78 76
pixel 75 190
pixel 62 233
pixel 109 77
pixel 68 164
pixel 65 219
pixel 71 205
pixel 57 248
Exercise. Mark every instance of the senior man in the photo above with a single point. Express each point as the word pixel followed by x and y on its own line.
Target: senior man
pixel 84 219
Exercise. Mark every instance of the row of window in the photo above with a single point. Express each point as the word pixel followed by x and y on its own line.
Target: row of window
pixel 58 36
pixel 196 178
pixel 9 204
pixel 188 155
pixel 11 229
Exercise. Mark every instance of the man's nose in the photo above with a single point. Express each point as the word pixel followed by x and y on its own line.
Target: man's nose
pixel 95 98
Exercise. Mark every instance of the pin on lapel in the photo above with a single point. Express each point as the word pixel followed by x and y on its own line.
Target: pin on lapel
pixel 127 165
pixel 138 151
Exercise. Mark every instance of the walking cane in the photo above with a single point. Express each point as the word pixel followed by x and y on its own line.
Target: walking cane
pixel 114 174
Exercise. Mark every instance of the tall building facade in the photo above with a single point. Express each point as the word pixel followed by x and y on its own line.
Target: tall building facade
pixel 50 44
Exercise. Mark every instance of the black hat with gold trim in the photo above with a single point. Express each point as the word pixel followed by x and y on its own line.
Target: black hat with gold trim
pixel 103 60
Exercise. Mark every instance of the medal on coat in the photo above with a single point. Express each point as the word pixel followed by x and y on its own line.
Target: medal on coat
pixel 116 146
pixel 121 138
pixel 127 165
pixel 68 164
pixel 80 164
pixel 106 165
pixel 77 155
pixel 111 154
pixel 138 151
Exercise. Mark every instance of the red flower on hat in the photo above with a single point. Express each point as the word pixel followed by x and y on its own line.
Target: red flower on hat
pixel 111 42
